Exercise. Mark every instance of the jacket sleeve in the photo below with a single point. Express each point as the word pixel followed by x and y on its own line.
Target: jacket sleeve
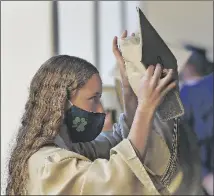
pixel 63 173
pixel 100 147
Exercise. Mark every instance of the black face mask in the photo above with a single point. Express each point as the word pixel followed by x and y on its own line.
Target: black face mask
pixel 83 126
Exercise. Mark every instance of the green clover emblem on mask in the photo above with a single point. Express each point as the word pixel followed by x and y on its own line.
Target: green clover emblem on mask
pixel 79 124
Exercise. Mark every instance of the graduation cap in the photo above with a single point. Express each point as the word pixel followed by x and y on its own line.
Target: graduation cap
pixel 199 60
pixel 154 49
pixel 151 50
pixel 198 54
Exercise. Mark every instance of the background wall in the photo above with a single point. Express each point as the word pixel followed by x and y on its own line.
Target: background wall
pixel 183 22
pixel 26 42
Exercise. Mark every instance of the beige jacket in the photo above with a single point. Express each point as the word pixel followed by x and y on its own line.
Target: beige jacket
pixel 106 166
pixel 56 171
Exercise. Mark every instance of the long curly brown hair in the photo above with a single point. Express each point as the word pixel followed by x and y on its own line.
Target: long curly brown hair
pixel 56 79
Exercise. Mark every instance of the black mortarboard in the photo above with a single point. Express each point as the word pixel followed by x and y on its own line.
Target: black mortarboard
pixel 155 50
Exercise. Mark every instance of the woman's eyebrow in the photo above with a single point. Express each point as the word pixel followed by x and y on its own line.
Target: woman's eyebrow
pixel 97 93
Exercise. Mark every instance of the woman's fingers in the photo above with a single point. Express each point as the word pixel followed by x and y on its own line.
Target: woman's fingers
pixel 115 49
pixel 114 45
pixel 157 75
pixel 165 81
pixel 168 88
pixel 164 73
pixel 124 34
pixel 117 52
pixel 115 41
pixel 150 71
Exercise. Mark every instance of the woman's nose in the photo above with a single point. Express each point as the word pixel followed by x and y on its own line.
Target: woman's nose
pixel 100 108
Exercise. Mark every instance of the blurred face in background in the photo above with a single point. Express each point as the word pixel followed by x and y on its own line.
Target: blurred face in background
pixel 189 75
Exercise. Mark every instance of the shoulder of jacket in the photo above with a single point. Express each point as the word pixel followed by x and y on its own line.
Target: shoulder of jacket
pixel 52 154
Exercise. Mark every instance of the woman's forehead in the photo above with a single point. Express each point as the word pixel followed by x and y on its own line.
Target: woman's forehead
pixel 93 85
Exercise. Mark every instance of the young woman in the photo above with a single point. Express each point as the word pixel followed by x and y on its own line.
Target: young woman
pixel 59 147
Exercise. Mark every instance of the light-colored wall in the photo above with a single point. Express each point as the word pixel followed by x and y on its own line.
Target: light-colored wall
pixel 76 29
pixel 183 21
pixel 26 43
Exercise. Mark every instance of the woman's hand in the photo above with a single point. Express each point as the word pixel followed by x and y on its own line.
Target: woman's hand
pixel 129 97
pixel 120 60
pixel 151 93
pixel 154 87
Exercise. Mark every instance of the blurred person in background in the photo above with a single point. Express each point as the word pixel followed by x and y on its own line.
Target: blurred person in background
pixel 197 97
pixel 196 67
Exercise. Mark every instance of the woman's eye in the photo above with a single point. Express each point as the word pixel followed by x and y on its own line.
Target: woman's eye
pixel 95 98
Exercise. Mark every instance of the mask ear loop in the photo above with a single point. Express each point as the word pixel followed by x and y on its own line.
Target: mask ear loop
pixel 69 103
